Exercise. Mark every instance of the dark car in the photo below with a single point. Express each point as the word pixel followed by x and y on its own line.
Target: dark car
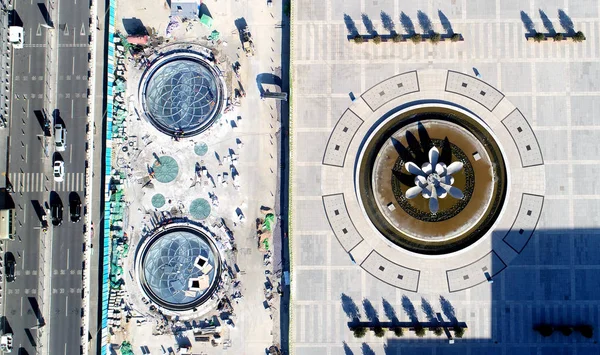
pixel 57 213
pixel 75 207
pixel 10 267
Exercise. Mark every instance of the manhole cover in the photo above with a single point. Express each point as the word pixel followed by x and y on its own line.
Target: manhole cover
pixel 158 200
pixel 201 149
pixel 200 209
pixel 165 169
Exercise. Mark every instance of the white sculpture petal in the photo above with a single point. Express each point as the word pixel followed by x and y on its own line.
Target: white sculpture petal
pixel 448 179
pixel 440 191
pixel 454 168
pixel 453 191
pixel 413 168
pixel 433 202
pixel 420 180
pixel 434 155
pixel 440 169
pixel 427 168
pixel 413 192
pixel 427 191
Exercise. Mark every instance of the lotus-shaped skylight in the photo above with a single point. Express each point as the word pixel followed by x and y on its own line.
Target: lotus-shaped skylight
pixel 433 180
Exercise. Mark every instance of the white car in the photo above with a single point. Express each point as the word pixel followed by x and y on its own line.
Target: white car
pixel 59 171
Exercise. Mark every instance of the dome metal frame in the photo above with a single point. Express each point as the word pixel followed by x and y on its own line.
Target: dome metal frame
pixel 182 94
pixel 182 264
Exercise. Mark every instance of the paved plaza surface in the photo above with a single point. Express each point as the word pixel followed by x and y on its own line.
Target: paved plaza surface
pixel 550 277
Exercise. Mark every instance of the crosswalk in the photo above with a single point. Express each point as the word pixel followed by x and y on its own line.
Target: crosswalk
pixel 39 182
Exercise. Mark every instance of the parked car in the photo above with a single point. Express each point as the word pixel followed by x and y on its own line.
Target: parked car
pixel 59 171
pixel 9 267
pixel 75 207
pixel 57 213
pixel 60 137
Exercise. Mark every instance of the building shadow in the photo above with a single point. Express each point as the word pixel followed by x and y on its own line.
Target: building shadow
pixel 368 25
pixel 565 22
pixel 424 22
pixel 446 25
pixel 529 26
pixel 407 24
pixel 204 10
pixel 350 25
pixel 547 23
pixel 267 79
pixel 388 22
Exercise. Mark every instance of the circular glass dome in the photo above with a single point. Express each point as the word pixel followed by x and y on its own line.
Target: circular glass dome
pixel 179 268
pixel 182 96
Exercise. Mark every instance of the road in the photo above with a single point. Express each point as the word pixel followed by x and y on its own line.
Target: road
pixel 72 28
pixel 30 174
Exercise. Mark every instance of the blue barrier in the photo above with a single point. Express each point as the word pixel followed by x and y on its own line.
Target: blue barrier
pixel 107 174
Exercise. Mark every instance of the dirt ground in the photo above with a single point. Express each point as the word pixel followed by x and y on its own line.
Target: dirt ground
pixel 256 326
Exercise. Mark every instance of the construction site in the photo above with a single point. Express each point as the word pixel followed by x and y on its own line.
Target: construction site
pixel 195 249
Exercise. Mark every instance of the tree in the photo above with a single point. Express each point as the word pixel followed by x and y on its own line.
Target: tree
pixel 438 331
pixel 435 38
pixel 416 38
pixel 566 330
pixel 585 330
pixel 458 331
pixel 544 329
pixel 398 331
pixel 455 37
pixel 397 37
pixel 538 37
pixel 558 37
pixel 419 331
pixel 377 39
pixel 579 37
pixel 359 332
pixel 358 39
pixel 379 331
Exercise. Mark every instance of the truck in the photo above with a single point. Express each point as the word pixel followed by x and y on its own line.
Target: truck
pixel 6 343
pixel 247 43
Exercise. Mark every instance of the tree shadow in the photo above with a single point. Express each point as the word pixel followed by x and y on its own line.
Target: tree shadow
pixel 424 22
pixel 446 25
pixel 370 311
pixel 349 307
pixel 347 350
pixel 388 22
pixel 448 309
pixel 409 309
pixel 446 152
pixel 424 138
pixel 529 26
pixel 368 24
pixel 547 23
pixel 366 349
pixel 390 312
pixel 407 24
pixel 350 25
pixel 566 22
pixel 428 310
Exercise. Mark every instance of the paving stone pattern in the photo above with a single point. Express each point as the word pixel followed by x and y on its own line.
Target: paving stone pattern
pixel 556 88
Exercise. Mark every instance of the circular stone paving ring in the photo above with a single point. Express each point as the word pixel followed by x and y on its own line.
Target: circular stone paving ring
pixel 380 169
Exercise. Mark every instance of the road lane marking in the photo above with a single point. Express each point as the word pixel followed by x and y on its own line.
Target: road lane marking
pixel 30 64
pixel 73 65
pixel 21 306
pixel 70 155
pixel 82 32
pixel 26 153
pixel 38 32
pixel 73 101
pixel 66 314
pixel 68 252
